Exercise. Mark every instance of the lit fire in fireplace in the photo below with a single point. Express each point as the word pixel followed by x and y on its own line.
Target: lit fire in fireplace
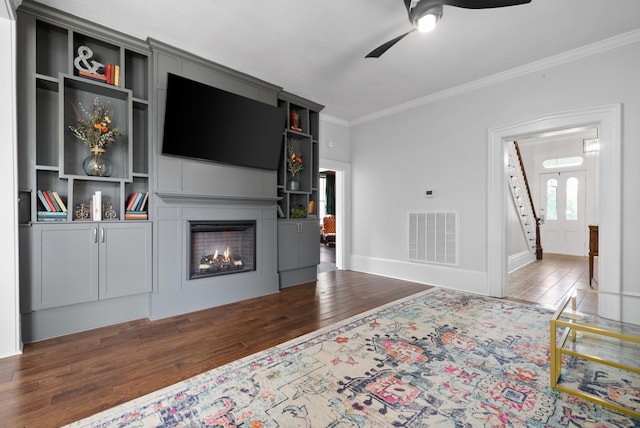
pixel 221 247
pixel 220 262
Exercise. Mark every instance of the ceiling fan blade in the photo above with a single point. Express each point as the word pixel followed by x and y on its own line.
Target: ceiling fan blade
pixel 484 4
pixel 407 4
pixel 385 47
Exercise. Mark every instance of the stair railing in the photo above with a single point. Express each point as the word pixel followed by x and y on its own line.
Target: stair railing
pixel 521 192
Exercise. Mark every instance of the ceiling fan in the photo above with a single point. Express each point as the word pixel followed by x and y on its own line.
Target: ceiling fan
pixel 425 14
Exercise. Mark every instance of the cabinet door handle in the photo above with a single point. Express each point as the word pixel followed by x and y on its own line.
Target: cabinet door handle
pixel 102 234
pixel 95 234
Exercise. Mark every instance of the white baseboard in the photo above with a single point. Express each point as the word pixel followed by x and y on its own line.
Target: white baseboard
pixel 423 273
pixel 630 305
pixel 619 307
pixel 519 260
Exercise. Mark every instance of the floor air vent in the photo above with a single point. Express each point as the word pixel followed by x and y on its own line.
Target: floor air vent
pixel 433 237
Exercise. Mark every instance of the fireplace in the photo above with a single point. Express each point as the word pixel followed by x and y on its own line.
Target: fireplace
pixel 221 248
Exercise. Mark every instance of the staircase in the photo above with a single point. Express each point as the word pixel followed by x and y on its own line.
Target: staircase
pixel 521 194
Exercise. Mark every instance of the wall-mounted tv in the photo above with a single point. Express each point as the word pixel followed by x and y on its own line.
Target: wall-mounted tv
pixel 208 123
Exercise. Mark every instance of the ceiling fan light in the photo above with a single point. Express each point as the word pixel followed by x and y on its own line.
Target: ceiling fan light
pixel 427 23
pixel 425 15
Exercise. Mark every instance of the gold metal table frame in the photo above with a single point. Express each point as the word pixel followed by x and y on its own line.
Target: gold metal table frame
pixel 569 329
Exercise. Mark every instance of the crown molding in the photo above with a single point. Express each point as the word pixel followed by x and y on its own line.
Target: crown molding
pixel 565 57
pixel 335 120
pixel 8 11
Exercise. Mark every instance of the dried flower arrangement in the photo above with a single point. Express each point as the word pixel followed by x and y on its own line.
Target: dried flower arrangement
pixel 294 159
pixel 95 130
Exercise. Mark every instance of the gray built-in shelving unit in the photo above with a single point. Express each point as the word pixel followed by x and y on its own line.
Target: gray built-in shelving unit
pixel 298 225
pixel 79 274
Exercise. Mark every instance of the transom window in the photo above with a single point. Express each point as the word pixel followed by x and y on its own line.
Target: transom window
pixel 562 162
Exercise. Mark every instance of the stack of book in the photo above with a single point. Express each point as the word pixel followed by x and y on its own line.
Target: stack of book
pixel 136 206
pixel 54 208
pixel 111 75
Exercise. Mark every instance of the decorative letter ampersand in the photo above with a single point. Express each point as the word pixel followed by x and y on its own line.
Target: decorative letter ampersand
pixel 81 62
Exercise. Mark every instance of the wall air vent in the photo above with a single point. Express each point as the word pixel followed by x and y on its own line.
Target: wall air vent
pixel 433 237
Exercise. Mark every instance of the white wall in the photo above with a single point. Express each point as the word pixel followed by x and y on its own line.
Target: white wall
pixel 9 316
pixel 334 152
pixel 442 146
pixel 334 139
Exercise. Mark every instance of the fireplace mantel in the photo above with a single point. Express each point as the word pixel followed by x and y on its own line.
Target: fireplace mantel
pixel 180 198
pixel 178 292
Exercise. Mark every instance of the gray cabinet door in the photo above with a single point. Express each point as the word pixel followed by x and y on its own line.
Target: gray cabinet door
pixel 288 245
pixel 66 265
pixel 125 259
pixel 298 244
pixel 310 243
pixel 83 262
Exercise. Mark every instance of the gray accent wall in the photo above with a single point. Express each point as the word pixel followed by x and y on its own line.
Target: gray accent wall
pixel 188 189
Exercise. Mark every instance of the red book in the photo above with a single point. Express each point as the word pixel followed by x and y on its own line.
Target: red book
pixel 136 204
pixel 107 73
pixel 43 200
pixel 132 200
pixel 92 76
pixel 49 201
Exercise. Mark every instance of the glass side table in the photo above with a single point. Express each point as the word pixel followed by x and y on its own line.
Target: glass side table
pixel 610 350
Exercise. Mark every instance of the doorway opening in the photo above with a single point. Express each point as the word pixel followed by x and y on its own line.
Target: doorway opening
pixel 608 121
pixel 327 216
pixel 563 180
pixel 342 196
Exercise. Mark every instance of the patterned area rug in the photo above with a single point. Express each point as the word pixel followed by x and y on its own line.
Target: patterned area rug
pixel 438 358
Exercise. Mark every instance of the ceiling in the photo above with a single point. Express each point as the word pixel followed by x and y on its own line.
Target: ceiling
pixel 316 49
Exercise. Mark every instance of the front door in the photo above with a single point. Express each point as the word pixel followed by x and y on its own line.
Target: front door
pixel 562 206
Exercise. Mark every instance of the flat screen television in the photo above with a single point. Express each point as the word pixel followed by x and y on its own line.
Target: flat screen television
pixel 208 123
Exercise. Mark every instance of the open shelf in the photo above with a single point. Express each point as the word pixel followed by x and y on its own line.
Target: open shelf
pixel 299 201
pixel 78 94
pixel 51 156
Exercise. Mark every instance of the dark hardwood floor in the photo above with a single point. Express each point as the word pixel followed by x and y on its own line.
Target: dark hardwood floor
pixel 61 380
pixel 327 258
